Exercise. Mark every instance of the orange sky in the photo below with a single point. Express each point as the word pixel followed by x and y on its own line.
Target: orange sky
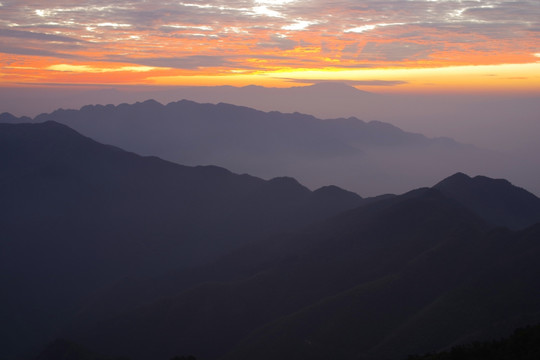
pixel 379 45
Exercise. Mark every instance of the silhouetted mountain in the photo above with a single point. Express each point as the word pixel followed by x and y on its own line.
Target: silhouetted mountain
pixel 135 292
pixel 141 257
pixel 77 216
pixel 366 157
pixel 496 200
pixel 374 282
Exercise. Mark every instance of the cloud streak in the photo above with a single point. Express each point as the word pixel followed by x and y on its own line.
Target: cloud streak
pixel 352 82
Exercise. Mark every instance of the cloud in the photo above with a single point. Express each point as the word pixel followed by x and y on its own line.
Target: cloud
pixel 90 69
pixel 351 82
pixel 195 34
pixel 299 24
pixel 278 42
pixel 350 48
pixel 186 62
pixel 36 36
pixel 34 52
pixel 519 11
pixel 395 51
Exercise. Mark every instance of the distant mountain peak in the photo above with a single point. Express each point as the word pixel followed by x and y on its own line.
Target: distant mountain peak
pixel 151 102
pixel 10 118
pixel 335 85
pixel 456 178
pixel 285 180
pixel 462 179
pixel 332 191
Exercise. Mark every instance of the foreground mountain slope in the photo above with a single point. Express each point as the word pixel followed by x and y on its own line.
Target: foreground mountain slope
pixel 77 216
pixel 488 305
pixel 456 293
pixel 494 290
pixel 504 197
pixel 523 344
pixel 361 246
pixel 62 349
pixel 374 282
pixel 366 157
pixel 51 174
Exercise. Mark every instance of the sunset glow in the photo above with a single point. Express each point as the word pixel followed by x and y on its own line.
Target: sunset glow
pixel 383 45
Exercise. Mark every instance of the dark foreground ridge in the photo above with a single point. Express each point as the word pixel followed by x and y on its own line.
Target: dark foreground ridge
pixel 138 257
pixel 524 344
pixel 77 216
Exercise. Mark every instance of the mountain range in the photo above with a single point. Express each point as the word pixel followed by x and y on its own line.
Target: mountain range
pixel 497 121
pixel 370 158
pixel 136 256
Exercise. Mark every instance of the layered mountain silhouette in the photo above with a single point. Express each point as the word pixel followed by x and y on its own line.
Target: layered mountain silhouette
pixel 77 215
pixel 139 257
pixel 375 282
pixel 504 123
pixel 369 158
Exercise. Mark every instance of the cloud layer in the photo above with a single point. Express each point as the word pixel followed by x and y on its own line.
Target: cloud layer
pixel 218 37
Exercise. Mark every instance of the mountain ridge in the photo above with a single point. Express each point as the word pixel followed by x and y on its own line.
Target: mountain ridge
pixel 70 202
pixel 365 157
pixel 431 233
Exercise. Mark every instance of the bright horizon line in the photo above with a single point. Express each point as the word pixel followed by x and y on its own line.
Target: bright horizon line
pixel 463 78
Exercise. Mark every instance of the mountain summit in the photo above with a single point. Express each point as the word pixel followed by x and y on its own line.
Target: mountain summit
pixel 496 200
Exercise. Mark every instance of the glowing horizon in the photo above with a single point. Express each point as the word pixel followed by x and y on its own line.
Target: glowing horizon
pixel 388 45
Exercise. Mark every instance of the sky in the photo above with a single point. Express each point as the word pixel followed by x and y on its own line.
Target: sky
pixel 380 45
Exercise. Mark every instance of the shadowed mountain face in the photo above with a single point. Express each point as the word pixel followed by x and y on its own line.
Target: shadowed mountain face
pixel 524 343
pixel 77 215
pixel 373 242
pixel 370 158
pixel 456 292
pixel 374 282
pixel 136 256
